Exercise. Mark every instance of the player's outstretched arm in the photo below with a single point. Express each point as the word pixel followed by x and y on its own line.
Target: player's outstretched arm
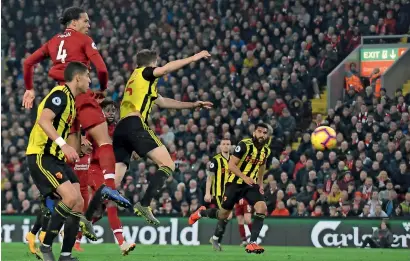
pixel 167 103
pixel 28 73
pixel 178 64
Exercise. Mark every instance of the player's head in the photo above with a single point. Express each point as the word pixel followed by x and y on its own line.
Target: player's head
pixel 260 135
pixel 77 76
pixel 147 58
pixel 225 145
pixel 76 18
pixel 109 110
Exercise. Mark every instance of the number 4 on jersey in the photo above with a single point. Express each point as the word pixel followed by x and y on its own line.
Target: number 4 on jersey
pixel 62 54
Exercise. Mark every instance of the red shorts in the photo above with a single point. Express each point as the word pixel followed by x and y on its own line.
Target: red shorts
pixel 95 176
pixel 89 112
pixel 81 170
pixel 242 207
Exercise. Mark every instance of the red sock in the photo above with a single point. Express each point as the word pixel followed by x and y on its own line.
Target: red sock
pixel 106 160
pixel 242 232
pixel 85 195
pixel 79 236
pixel 115 224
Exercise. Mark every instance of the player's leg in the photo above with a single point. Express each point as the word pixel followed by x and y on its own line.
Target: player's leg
pixel 92 120
pixel 132 134
pixel 31 235
pixel 231 196
pixel 253 196
pixel 220 228
pixel 95 181
pixel 72 225
pixel 247 216
pixel 239 213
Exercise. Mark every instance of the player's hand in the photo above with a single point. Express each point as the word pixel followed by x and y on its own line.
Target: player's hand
pixel 201 55
pixel 248 180
pixel 203 104
pixel 86 146
pixel 28 99
pixel 208 198
pixel 99 96
pixel 261 190
pixel 70 153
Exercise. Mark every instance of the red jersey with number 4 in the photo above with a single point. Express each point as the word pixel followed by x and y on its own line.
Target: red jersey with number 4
pixel 63 48
pixel 94 156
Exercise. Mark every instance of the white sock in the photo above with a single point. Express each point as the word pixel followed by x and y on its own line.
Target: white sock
pixel 65 253
pixel 46 245
pixel 215 237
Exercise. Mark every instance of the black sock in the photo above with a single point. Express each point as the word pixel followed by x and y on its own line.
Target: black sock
pixel 37 224
pixel 257 225
pixel 220 229
pixel 61 212
pixel 210 213
pixel 95 203
pixel 71 226
pixel 45 220
pixel 155 184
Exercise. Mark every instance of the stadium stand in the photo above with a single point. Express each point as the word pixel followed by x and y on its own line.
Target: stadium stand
pixel 268 61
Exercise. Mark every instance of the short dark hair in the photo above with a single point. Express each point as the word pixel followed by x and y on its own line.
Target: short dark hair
pixel 145 57
pixel 225 139
pixel 106 103
pixel 72 69
pixel 262 125
pixel 71 13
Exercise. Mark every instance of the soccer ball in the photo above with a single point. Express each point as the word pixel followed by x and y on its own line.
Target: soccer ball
pixel 324 138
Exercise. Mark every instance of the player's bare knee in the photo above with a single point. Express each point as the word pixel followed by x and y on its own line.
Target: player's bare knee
pixel 70 200
pixel 79 204
pixel 223 214
pixel 260 207
pixel 171 165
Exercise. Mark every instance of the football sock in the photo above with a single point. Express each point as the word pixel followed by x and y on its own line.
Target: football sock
pixel 95 203
pixel 79 236
pixel 45 221
pixel 155 184
pixel 242 231
pixel 37 224
pixel 106 160
pixel 85 195
pixel 71 227
pixel 115 223
pixel 257 224
pixel 61 212
pixel 220 229
pixel 210 213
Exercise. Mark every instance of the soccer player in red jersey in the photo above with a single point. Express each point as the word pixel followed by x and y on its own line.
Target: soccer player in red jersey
pixel 95 179
pixel 75 45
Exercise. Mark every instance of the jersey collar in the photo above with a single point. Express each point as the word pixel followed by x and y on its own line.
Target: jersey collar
pixel 69 90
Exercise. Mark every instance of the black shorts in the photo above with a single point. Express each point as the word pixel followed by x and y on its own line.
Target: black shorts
pixel 217 201
pixel 132 134
pixel 234 192
pixel 49 173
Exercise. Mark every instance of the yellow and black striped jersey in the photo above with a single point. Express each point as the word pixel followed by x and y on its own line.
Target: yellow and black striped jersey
pixel 250 159
pixel 140 93
pixel 219 168
pixel 62 102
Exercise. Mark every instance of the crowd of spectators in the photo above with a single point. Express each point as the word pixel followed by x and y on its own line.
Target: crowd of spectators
pixel 268 59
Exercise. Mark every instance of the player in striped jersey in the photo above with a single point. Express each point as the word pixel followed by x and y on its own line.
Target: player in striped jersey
pixel 247 166
pixel 218 174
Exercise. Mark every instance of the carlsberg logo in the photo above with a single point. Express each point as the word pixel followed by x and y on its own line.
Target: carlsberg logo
pixel 326 233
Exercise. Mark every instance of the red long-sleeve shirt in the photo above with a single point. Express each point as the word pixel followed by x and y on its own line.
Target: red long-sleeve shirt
pixel 64 48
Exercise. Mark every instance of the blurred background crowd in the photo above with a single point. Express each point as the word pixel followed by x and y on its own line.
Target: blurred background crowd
pixel 269 58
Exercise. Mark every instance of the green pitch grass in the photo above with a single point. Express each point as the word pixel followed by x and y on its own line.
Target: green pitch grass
pixel 110 252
